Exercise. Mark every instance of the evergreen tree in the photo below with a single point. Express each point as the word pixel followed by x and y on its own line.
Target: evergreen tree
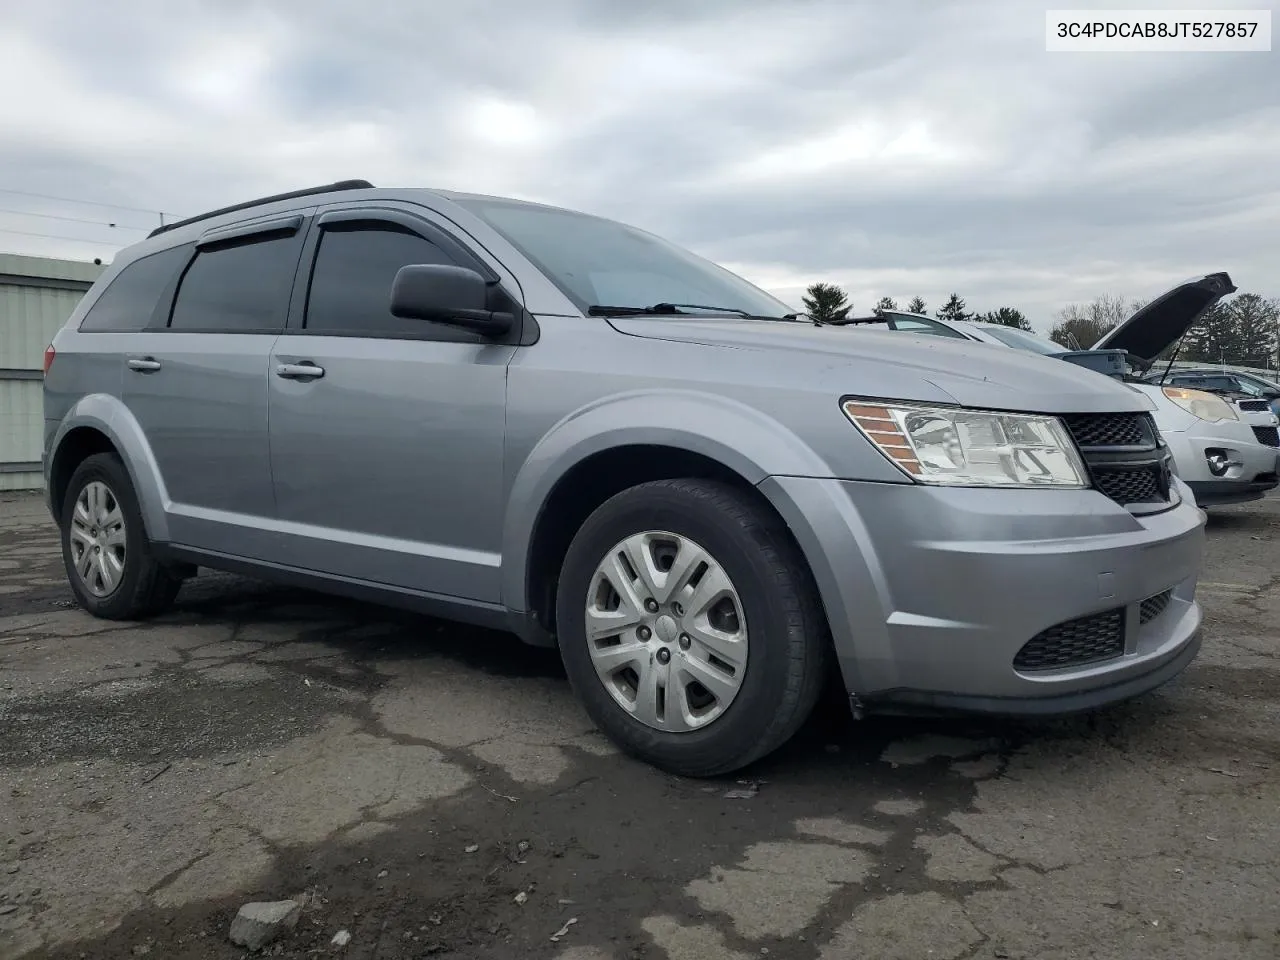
pixel 1213 339
pixel 953 309
pixel 917 305
pixel 1255 320
pixel 886 303
pixel 1006 317
pixel 827 303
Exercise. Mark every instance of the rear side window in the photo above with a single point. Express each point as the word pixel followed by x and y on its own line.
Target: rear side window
pixel 130 299
pixel 241 286
pixel 908 325
pixel 351 283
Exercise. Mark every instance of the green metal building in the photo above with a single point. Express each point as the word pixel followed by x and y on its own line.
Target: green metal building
pixel 37 296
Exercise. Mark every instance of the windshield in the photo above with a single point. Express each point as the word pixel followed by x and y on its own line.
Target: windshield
pixel 1258 385
pixel 1021 340
pixel 596 261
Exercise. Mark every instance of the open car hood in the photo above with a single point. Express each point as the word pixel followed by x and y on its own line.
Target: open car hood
pixel 1166 319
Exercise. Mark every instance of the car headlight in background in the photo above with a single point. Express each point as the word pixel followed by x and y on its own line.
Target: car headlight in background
pixel 971 448
pixel 1205 406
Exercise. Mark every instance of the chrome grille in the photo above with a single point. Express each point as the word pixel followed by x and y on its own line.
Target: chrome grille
pixel 1074 643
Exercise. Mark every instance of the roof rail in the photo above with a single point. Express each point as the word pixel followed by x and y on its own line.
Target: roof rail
pixel 309 191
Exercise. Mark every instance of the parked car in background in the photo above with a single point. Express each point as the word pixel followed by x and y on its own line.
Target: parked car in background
pixel 1222 458
pixel 1251 394
pixel 533 419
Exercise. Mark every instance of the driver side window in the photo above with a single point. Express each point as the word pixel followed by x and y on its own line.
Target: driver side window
pixel 355 265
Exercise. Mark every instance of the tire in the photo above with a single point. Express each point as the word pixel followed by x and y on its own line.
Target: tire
pixel 784 657
pixel 141 586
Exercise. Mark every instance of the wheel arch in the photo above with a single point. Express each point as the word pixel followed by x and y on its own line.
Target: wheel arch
pixel 100 423
pixel 592 455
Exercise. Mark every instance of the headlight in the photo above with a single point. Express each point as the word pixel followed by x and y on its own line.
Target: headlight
pixel 1206 406
pixel 971 448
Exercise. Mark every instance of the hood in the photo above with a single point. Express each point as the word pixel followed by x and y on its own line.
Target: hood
pixel 897 366
pixel 1166 319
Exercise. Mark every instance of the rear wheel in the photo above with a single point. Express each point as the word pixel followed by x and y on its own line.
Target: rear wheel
pixel 690 627
pixel 109 561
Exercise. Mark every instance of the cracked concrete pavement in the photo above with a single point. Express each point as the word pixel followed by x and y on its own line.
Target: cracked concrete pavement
pixel 436 791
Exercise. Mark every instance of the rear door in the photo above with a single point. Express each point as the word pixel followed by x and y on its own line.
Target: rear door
pixel 387 434
pixel 197 383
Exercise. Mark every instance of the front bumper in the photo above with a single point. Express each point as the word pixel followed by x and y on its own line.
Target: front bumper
pixel 932 592
pixel 1220 493
pixel 1254 469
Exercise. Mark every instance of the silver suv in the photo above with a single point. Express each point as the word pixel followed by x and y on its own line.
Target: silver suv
pixel 531 419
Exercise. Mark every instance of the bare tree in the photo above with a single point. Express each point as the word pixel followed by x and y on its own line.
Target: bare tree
pixel 1080 325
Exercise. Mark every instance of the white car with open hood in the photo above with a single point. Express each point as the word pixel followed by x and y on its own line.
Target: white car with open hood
pixel 1216 453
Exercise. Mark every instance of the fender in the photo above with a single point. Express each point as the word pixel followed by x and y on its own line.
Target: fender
pixel 738 436
pixel 110 417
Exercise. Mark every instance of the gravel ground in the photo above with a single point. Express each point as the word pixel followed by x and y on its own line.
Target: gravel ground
pixel 435 792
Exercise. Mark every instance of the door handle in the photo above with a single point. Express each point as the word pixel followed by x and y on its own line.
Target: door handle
pixel 299 371
pixel 144 364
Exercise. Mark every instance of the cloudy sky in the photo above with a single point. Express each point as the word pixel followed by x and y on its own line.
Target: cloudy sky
pixel 896 149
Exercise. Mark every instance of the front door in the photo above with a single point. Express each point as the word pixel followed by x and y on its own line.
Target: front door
pixel 196 382
pixel 386 434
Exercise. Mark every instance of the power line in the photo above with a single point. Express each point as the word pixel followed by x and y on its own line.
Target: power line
pixel 91 203
pixel 52 216
pixel 56 236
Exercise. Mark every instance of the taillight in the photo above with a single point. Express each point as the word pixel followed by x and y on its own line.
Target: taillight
pixel 49 354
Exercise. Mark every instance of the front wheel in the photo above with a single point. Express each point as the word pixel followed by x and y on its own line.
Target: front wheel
pixel 112 570
pixel 690 627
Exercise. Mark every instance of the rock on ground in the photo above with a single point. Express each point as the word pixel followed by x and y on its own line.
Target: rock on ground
pixel 257 924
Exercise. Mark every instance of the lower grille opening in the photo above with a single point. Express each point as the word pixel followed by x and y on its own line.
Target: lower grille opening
pixel 1074 643
pixel 1140 485
pixel 1270 436
pixel 1152 607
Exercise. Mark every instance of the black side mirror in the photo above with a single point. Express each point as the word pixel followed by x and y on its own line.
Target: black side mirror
pixel 447 294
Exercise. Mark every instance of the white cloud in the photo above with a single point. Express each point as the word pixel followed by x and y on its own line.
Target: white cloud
pixel 901 149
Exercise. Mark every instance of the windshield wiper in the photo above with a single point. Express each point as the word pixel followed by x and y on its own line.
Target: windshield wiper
pixel 668 309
